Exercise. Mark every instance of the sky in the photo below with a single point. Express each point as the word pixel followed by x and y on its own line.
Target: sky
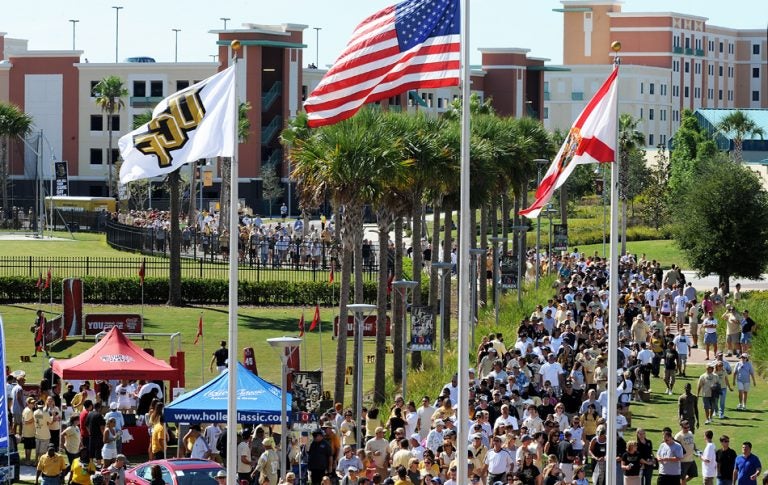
pixel 145 26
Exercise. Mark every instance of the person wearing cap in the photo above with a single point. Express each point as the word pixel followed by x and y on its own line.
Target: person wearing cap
pixel 436 437
pixel 117 469
pixel 748 326
pixel 710 333
pixel 705 390
pixel 119 422
pixel 347 429
pixel 742 373
pixel 732 330
pixel 378 448
pixel 50 466
pixel 319 457
pixel 268 465
pixel 351 476
pixel 221 477
pixel 348 459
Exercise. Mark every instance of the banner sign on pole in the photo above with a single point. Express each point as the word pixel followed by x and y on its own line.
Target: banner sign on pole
pixel 559 237
pixel 249 360
pixel 307 391
pixel 422 329
pixel 62 178
pixel 369 326
pixel 508 270
pixel 96 323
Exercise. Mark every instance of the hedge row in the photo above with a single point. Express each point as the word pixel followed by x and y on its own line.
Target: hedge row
pixel 113 291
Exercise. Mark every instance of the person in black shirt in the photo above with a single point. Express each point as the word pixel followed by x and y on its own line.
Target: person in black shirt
pixel 220 357
pixel 319 457
pixel 96 424
pixel 565 456
pixel 726 459
pixel 630 464
pixel 645 449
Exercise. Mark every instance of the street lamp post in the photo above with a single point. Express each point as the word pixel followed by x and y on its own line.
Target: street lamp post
pixel 117 29
pixel 403 286
pixel 497 245
pixel 317 46
pixel 176 45
pixel 474 255
pixel 213 57
pixel 445 270
pixel 360 310
pixel 520 230
pixel 549 212
pixel 283 344
pixel 539 163
pixel 74 23
pixel 225 19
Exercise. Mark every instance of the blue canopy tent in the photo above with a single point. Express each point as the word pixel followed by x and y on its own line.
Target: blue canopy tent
pixel 258 401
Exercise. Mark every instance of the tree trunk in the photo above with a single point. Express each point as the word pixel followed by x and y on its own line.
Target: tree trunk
pixel 6 210
pixel 623 233
pixel 447 248
pixel 109 154
pixel 356 227
pixel 174 277
pixel 434 275
pixel 225 165
pixel 397 306
pixel 725 279
pixel 192 195
pixel 483 294
pixel 379 396
pixel 345 226
pixel 524 239
pixel 505 222
pixel 417 270
pixel 494 216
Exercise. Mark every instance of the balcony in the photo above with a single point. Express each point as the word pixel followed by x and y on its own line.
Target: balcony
pixel 688 51
pixel 700 52
pixel 577 96
pixel 417 99
pixel 273 128
pixel 145 101
pixel 677 50
pixel 268 98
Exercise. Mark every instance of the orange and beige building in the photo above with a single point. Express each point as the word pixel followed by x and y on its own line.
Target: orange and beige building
pixel 670 62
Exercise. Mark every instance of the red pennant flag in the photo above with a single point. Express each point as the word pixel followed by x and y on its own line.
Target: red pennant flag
pixel 330 278
pixel 301 325
pixel 39 284
pixel 142 272
pixel 316 318
pixel 389 283
pixel 199 329
pixel 48 279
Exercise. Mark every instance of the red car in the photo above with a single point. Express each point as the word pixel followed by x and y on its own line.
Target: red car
pixel 176 471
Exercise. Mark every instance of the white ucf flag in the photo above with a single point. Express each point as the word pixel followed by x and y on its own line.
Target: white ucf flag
pixel 194 123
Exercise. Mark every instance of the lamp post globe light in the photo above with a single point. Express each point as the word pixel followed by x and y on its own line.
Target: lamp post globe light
pixel 283 343
pixel 403 286
pixel 361 310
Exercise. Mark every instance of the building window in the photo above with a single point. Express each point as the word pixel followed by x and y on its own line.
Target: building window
pixel 730 72
pixel 140 89
pixel 730 95
pixel 687 67
pixel 546 113
pixel 710 93
pixel 97 156
pixel 546 86
pixel 663 139
pixel 663 89
pixel 650 113
pixel 720 94
pixel 115 155
pixel 755 49
pixel 697 68
pixel 720 71
pixel 697 93
pixel 711 70
pixel 156 89
pixel 641 88
pixel 721 47
pixel 755 72
pixel 650 88
pixel 676 66
pixel 93 88
pixel 730 48
pixel 641 113
pixel 687 92
pixel 711 46
pixel 97 123
pixel 663 115
pixel 687 43
pixel 183 85
pixel 304 91
pixel 755 95
pixel 650 139
pixel 115 122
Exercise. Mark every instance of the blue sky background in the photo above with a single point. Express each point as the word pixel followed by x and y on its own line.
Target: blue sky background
pixel 145 26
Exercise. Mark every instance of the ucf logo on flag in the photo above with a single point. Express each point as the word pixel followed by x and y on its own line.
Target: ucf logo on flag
pixel 197 122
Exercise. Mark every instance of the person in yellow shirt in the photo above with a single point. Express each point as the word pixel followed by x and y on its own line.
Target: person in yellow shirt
pixel 159 439
pixel 81 469
pixel 28 429
pixel 50 465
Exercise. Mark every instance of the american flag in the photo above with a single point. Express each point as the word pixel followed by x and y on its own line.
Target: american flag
pixel 412 45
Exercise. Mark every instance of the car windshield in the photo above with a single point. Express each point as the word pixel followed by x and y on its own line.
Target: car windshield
pixel 197 476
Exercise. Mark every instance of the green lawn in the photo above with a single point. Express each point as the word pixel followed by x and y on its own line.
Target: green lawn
pixel 83 244
pixel 256 325
pixel 662 250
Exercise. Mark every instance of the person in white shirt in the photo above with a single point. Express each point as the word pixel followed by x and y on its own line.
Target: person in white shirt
pixel 424 414
pixel 709 459
pixel 683 347
pixel 211 436
pixel 553 372
pixel 680 303
pixel 435 437
pixel 498 462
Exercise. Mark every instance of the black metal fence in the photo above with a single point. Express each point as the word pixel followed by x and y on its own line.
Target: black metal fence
pixel 156 267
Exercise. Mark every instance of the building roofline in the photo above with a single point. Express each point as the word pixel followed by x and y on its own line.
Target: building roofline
pixel 272 29
pixel 503 50
pixel 657 14
pixel 147 65
pixel 51 53
pixel 586 3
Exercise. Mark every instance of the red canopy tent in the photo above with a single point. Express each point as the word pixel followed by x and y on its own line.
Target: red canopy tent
pixel 115 357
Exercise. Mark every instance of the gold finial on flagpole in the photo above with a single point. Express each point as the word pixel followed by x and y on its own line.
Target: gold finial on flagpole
pixel 616 46
pixel 235 45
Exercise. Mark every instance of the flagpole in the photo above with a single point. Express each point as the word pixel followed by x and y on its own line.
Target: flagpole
pixel 463 337
pixel 202 355
pixel 613 296
pixel 233 281
pixel 320 333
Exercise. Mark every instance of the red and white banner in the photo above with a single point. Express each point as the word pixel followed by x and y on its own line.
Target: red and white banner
pixel 591 139
pixel 102 322
pixel 369 326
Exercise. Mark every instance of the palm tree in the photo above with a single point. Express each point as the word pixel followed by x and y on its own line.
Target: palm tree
pixel 14 122
pixel 243 132
pixel 349 161
pixel 737 125
pixel 109 97
pixel 630 139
